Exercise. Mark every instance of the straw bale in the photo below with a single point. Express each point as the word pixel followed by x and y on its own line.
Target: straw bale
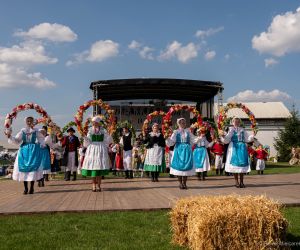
pixel 228 222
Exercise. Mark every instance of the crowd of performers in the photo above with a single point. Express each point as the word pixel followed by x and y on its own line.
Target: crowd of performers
pixel 183 153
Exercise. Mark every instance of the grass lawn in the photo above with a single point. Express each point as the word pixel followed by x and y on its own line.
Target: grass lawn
pixel 110 230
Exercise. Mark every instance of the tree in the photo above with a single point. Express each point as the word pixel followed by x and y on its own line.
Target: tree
pixel 288 137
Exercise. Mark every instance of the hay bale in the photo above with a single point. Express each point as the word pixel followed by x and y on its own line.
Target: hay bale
pixel 179 215
pixel 228 222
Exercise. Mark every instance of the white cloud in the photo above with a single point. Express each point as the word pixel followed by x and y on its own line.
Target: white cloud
pixel 27 53
pixel 99 51
pixel 181 53
pixel 209 55
pixel 206 33
pixel 53 32
pixel 260 96
pixel 227 57
pixel 103 50
pixel 134 45
pixel 282 36
pixel 146 53
pixel 269 62
pixel 12 77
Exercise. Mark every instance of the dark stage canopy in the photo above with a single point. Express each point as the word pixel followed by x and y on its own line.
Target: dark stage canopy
pixel 155 88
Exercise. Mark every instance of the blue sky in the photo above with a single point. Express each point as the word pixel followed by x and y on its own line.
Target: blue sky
pixel 50 51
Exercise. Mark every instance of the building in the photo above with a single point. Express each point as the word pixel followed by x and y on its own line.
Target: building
pixel 133 99
pixel 270 117
pixel 4 145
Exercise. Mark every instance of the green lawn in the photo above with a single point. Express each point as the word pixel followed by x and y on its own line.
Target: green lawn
pixel 292 214
pixel 108 230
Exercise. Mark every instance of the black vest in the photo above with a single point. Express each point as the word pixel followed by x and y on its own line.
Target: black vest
pixel 127 142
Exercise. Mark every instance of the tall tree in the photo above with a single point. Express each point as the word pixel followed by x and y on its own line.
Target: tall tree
pixel 288 137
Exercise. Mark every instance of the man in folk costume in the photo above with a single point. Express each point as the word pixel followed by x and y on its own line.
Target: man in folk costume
pixel 71 144
pixel 126 141
pixel 27 167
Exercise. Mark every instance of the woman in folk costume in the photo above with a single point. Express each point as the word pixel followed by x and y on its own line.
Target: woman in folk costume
pixel 46 161
pixel 154 161
pixel 126 142
pixel 182 160
pixel 71 144
pixel 27 167
pixel 261 155
pixel 200 155
pixel 96 160
pixel 237 159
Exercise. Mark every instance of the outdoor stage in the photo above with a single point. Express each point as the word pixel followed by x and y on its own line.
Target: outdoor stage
pixel 138 194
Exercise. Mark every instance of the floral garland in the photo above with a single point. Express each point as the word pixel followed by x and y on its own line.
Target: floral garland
pixel 167 119
pixel 52 127
pixel 22 107
pixel 208 126
pixel 149 119
pixel 223 116
pixel 46 119
pixel 119 127
pixel 109 112
pixel 70 124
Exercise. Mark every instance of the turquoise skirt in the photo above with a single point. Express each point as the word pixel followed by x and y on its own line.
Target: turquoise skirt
pixel 29 157
pixel 182 157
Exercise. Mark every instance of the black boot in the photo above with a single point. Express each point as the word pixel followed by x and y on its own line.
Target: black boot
pixel 152 177
pixel 180 182
pixel 25 187
pixel 199 176
pixel 221 171
pixel 126 174
pixel 43 182
pixel 40 182
pixel 74 176
pixel 184 179
pixel 46 177
pixel 203 175
pixel 68 175
pixel 131 174
pixel 217 171
pixel 31 190
pixel 156 174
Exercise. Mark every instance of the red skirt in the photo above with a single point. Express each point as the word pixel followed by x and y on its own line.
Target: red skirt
pixel 119 162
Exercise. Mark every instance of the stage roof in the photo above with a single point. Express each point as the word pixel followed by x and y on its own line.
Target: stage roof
pixel 155 88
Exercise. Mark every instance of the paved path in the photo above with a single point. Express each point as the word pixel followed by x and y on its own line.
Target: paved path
pixel 136 194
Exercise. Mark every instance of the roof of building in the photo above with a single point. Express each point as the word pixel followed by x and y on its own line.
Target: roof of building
pixel 158 88
pixel 261 110
pixel 6 145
